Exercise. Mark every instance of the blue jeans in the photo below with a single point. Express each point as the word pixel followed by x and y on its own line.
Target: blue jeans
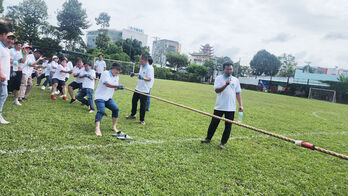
pixel 3 95
pixel 101 105
pixel 88 92
pixel 47 81
pixel 147 108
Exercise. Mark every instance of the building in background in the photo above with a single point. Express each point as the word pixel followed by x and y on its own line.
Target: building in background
pixel 116 35
pixel 206 53
pixel 161 47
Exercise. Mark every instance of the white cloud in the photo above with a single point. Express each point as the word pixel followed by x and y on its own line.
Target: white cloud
pixel 237 28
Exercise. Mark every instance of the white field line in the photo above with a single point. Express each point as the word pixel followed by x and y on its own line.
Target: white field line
pixel 147 142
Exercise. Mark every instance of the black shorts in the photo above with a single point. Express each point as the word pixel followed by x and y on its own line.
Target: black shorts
pixel 98 75
pixel 59 82
pixel 75 85
pixel 15 81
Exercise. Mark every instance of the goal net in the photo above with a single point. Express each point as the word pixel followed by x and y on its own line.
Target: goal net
pixel 126 67
pixel 322 94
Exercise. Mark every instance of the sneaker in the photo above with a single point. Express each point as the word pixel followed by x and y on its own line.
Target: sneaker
pixel 142 123
pixel 205 141
pixel 37 85
pixel 43 88
pixel 16 102
pixel 118 134
pixel 91 111
pixel 72 101
pixel 53 97
pixel 222 146
pixel 125 137
pixel 3 121
pixel 24 99
pixel 57 92
pixel 65 98
pixel 130 117
pixel 61 96
pixel 50 87
pixel 20 99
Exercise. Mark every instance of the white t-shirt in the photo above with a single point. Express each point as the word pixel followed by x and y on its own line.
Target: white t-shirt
pixel 58 74
pixel 46 70
pixel 5 64
pixel 87 82
pixel 226 100
pixel 27 69
pixel 53 66
pixel 78 70
pixel 100 66
pixel 146 72
pixel 104 92
pixel 70 67
pixel 17 56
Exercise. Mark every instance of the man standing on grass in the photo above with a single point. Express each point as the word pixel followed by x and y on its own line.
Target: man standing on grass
pixel 145 78
pixel 4 68
pixel 59 79
pixel 31 62
pixel 100 65
pixel 107 85
pixel 88 76
pixel 14 83
pixel 228 89
pixel 147 108
pixel 77 83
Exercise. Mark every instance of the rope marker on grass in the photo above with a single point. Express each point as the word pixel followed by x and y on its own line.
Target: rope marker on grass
pixel 297 142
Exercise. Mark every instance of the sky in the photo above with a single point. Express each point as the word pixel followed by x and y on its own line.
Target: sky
pixel 313 31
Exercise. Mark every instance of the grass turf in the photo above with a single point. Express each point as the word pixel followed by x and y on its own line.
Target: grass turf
pixel 50 147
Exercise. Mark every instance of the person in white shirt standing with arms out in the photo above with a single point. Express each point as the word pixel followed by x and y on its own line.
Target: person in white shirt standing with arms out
pixel 88 76
pixel 59 78
pixel 145 78
pixel 228 89
pixel 100 65
pixel 46 64
pixel 31 62
pixel 14 83
pixel 107 85
pixel 77 83
pixel 5 68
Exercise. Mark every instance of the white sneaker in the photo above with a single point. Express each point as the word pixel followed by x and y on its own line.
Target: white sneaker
pixel 43 88
pixel 50 87
pixel 16 102
pixel 3 121
pixel 57 92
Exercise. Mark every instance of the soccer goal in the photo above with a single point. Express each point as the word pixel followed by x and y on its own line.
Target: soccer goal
pixel 322 94
pixel 126 67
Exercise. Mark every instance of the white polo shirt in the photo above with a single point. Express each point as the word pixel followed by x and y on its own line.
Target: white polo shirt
pixel 46 67
pixel 70 67
pixel 87 82
pixel 17 56
pixel 146 72
pixel 103 92
pixel 58 74
pixel 53 66
pixel 27 69
pixel 100 66
pixel 78 70
pixel 5 64
pixel 226 100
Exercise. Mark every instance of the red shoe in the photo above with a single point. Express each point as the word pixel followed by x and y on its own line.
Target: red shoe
pixel 53 97
pixel 65 98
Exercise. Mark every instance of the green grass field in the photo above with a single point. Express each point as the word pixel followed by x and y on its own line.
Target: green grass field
pixel 50 147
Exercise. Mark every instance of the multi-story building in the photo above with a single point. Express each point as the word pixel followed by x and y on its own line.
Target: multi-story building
pixel 161 47
pixel 116 35
pixel 206 53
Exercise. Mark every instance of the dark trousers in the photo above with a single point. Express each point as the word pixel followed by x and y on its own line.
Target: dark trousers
pixel 42 76
pixel 215 123
pixel 47 81
pixel 60 88
pixel 143 100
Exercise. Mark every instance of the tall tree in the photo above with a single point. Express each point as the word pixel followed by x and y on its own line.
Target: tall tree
pixel 72 20
pixel 288 64
pixel 31 16
pixel 211 66
pixel 265 62
pixel 133 48
pixel 103 20
pixel 176 60
pixel 102 40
